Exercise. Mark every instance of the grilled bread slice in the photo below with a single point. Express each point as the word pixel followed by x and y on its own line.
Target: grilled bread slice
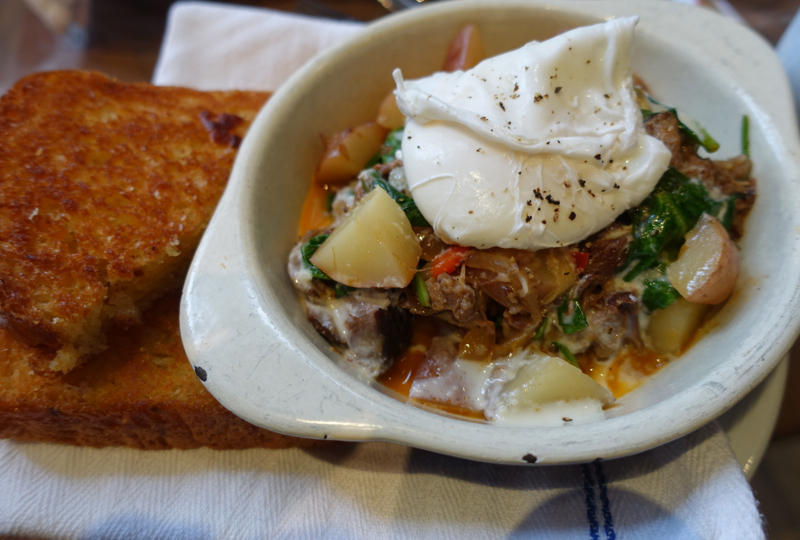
pixel 105 190
pixel 140 393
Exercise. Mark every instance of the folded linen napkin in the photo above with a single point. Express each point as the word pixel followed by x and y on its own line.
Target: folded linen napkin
pixel 690 488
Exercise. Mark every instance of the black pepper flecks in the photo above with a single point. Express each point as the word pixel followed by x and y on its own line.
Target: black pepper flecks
pixel 538 194
pixel 551 200
pixel 558 89
pixel 528 218
pixel 572 216
pixel 537 98
pixel 598 157
pixel 582 182
pixel 501 105
pixel 616 186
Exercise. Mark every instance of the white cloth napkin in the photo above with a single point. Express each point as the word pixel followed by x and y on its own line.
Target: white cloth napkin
pixel 690 488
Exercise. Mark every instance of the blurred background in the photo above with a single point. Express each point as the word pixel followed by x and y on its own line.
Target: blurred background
pixel 122 38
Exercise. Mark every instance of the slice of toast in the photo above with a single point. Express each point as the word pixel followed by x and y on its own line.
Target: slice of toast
pixel 105 190
pixel 141 393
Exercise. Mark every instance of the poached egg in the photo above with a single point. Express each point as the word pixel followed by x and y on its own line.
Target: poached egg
pixel 535 148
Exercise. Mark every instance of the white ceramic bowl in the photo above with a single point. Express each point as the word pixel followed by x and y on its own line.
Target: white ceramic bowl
pixel 241 320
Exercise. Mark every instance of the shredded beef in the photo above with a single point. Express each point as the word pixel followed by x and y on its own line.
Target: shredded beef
pixel 380 334
pixel 608 324
pixel 725 177
pixel 385 168
pixel 369 323
pixel 606 255
pixel 664 127
pixel 448 293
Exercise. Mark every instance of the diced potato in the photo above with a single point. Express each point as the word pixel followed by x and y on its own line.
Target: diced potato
pixel 347 153
pixel 548 379
pixel 670 329
pixel 374 246
pixel 708 264
pixel 466 49
pixel 389 116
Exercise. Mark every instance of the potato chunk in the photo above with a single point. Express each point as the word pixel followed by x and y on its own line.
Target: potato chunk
pixel 373 247
pixel 670 329
pixel 465 51
pixel 389 116
pixel 708 264
pixel 548 379
pixel 347 153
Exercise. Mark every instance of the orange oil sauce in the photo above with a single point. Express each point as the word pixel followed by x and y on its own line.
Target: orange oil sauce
pixel 401 375
pixel 315 210
pixel 625 372
pixel 452 409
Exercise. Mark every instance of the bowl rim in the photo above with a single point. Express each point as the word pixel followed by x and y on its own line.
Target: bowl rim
pixel 338 406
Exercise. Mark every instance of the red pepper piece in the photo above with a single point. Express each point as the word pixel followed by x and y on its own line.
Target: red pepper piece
pixel 580 259
pixel 448 260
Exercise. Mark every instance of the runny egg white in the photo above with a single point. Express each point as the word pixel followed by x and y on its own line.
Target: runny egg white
pixel 535 148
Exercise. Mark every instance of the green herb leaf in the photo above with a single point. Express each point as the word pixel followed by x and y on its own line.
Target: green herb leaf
pixel 658 294
pixel 568 356
pixel 340 290
pixel 727 211
pixel 664 217
pixel 571 318
pixel 307 250
pixel 686 124
pixel 393 143
pixel 746 135
pixel 421 290
pixel 541 330
pixel 406 203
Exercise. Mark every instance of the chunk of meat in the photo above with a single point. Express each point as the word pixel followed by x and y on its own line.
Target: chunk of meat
pixel 606 255
pixel 721 178
pixel 368 322
pixel 612 316
pixel 521 281
pixel 449 293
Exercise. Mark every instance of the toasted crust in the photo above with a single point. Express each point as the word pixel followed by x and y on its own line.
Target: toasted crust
pixel 140 393
pixel 105 189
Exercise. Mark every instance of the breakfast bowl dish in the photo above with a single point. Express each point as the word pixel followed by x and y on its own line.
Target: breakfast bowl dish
pixel 248 333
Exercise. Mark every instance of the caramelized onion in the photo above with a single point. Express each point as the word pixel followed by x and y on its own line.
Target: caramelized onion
pixel 477 343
